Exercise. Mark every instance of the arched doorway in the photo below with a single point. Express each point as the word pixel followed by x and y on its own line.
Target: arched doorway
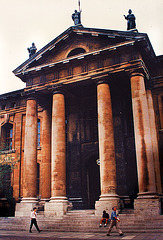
pixel 92 182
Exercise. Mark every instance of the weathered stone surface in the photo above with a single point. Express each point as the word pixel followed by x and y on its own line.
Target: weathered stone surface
pixel 58 167
pixel 106 140
pixel 154 141
pixel 56 207
pixel 145 163
pixel 45 186
pixel 108 196
pixel 30 151
pixel 147 206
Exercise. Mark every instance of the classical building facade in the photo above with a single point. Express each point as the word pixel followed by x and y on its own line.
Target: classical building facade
pixel 88 126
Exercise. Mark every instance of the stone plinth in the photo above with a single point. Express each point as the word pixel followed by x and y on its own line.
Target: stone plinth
pixel 56 207
pixel 147 205
pixel 106 203
pixel 24 208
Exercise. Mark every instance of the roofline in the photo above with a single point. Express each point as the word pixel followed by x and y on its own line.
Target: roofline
pixel 81 29
pixel 11 94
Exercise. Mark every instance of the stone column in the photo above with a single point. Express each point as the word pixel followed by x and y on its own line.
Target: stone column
pixel 46 156
pixel 144 150
pixel 58 202
pixel 30 161
pixel 108 198
pixel 154 141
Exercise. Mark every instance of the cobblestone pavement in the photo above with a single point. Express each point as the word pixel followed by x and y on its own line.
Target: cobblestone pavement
pixel 22 235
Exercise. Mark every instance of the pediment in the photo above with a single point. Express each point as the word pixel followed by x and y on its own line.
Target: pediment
pixel 76 42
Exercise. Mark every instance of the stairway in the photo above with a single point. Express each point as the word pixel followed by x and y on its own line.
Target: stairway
pixel 84 221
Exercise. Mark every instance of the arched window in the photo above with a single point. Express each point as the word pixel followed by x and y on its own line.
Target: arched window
pixel 76 51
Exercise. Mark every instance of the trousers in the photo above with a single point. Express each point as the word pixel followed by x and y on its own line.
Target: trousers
pixel 112 224
pixel 33 221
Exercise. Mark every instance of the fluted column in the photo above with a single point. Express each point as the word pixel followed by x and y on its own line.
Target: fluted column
pixel 144 151
pixel 154 141
pixel 46 155
pixel 106 148
pixel 58 201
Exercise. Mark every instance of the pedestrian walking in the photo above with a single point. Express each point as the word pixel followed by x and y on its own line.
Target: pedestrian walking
pixel 114 222
pixel 33 220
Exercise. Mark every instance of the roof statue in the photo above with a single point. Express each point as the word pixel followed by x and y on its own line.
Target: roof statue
pixel 130 20
pixel 32 50
pixel 76 16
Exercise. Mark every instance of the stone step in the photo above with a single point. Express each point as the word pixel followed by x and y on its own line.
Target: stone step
pixel 81 221
pixel 127 211
pixel 81 212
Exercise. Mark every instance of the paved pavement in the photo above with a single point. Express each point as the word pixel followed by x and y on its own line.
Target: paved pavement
pixel 22 235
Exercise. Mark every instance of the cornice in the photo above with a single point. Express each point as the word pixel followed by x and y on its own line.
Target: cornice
pixel 128 67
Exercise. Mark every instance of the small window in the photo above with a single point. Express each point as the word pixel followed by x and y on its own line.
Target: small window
pixel 7 136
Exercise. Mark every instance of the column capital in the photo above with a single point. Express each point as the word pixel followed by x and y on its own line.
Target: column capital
pixel 102 81
pixel 136 73
pixel 58 89
pixel 31 97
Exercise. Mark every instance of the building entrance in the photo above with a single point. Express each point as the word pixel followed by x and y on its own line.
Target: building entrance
pixel 93 183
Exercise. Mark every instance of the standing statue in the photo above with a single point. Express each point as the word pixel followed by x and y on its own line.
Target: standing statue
pixel 76 17
pixel 32 50
pixel 130 20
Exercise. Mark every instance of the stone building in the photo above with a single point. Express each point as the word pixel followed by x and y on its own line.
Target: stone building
pixel 88 126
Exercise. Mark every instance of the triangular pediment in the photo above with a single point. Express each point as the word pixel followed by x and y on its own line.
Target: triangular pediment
pixel 76 42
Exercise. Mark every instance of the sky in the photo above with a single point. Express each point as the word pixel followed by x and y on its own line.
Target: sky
pixel 40 21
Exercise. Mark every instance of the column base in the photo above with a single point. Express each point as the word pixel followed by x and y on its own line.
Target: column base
pixel 44 200
pixel 57 206
pixel 147 204
pixel 106 202
pixel 24 208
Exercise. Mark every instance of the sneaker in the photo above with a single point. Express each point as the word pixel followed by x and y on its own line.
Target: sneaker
pixel 107 234
pixel 100 225
pixel 40 231
pixel 121 234
pixel 105 225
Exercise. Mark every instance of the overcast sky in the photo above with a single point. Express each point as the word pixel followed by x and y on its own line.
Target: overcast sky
pixel 40 21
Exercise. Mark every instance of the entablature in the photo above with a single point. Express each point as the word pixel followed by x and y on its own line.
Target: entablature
pixel 126 67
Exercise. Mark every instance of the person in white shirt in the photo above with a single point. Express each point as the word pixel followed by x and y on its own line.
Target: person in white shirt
pixel 33 220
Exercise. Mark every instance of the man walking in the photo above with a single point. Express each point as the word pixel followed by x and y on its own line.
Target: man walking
pixel 33 220
pixel 114 222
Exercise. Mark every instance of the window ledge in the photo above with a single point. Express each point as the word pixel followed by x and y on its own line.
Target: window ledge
pixel 8 151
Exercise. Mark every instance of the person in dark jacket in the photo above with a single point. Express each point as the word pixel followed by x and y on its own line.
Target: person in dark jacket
pixel 105 218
